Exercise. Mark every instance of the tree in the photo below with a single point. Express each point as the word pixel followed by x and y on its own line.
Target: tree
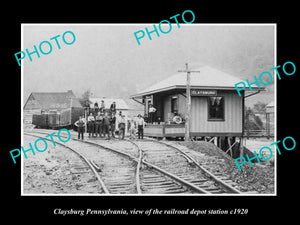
pixel 259 107
pixel 85 98
pixel 253 122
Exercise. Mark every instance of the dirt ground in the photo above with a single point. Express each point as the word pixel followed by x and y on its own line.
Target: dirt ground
pixel 259 178
pixel 255 144
pixel 52 172
pixel 60 171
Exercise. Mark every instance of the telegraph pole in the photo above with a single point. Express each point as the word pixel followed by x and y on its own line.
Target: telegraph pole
pixel 188 101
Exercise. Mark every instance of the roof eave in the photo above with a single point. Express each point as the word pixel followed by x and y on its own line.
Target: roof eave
pixel 142 94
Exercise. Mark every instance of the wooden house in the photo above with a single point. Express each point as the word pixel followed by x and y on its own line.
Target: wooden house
pixel 216 108
pixel 49 102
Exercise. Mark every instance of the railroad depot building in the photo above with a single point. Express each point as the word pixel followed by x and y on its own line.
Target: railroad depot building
pixel 216 108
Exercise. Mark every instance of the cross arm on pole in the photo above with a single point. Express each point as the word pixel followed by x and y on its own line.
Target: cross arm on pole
pixel 187 70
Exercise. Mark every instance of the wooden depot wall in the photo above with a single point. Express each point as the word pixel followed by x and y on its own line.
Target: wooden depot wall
pixel 232 125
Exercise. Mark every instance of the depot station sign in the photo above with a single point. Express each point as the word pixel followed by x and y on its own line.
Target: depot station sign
pixel 199 92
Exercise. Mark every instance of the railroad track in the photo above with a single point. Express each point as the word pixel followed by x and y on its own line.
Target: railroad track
pixel 117 177
pixel 86 166
pixel 78 167
pixel 146 169
pixel 115 173
pixel 154 179
pixel 150 178
pixel 180 163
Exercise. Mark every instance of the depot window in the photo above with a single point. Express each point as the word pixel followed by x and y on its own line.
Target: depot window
pixel 216 108
pixel 174 104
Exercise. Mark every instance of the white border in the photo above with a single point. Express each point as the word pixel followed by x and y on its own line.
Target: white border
pixel 146 24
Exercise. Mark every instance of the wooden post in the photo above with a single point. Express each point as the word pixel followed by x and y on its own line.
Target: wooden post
pixel 268 125
pixel 71 113
pixel 188 102
pixel 216 141
pixel 241 147
pixel 220 142
pixel 188 105
pixel 230 146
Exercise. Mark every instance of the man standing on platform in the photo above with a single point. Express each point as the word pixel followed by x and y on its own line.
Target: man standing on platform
pixel 152 111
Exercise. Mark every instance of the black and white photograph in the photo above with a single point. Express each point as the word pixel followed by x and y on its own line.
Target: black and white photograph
pixel 164 109
pixel 148 112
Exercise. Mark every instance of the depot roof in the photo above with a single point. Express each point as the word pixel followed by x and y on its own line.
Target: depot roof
pixel 208 78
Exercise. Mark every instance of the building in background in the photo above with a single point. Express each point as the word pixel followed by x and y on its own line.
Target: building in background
pixel 121 105
pixel 270 119
pixel 63 107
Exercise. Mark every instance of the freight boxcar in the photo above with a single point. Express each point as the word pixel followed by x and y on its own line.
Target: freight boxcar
pixel 58 119
pixel 40 120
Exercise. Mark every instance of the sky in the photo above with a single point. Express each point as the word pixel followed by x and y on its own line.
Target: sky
pixel 107 60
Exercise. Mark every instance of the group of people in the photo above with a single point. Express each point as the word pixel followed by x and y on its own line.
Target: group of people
pixel 136 125
pixel 106 123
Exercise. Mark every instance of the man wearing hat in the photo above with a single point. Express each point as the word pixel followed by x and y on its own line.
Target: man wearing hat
pixel 141 125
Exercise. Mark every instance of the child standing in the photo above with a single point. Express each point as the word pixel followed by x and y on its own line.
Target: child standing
pixel 121 126
pixel 132 129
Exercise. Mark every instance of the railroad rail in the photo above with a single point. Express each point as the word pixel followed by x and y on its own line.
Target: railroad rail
pixel 105 166
pixel 164 182
pixel 161 180
pixel 85 160
pixel 152 170
pixel 217 179
pixel 197 174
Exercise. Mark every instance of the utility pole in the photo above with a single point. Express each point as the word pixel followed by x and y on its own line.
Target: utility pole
pixel 188 101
